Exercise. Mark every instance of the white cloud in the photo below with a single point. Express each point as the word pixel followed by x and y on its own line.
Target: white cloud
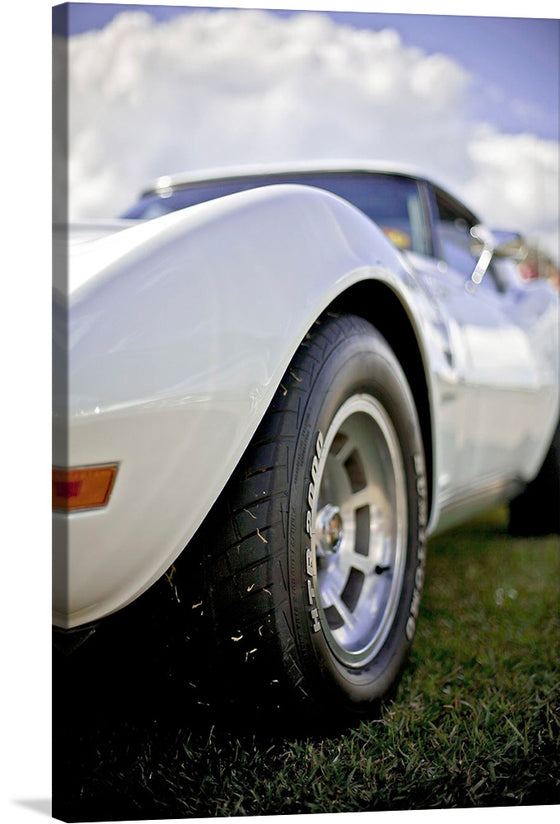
pixel 215 88
pixel 516 182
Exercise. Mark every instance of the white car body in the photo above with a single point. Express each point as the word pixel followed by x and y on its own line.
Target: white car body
pixel 180 330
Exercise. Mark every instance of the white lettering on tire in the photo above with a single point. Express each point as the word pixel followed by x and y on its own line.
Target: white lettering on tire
pixel 309 565
pixel 421 490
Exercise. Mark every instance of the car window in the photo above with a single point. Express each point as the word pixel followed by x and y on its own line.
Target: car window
pixel 392 201
pixel 454 223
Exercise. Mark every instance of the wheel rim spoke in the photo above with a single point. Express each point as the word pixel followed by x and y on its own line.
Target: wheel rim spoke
pixel 334 600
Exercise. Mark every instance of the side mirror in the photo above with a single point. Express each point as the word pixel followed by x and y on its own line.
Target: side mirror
pixel 487 244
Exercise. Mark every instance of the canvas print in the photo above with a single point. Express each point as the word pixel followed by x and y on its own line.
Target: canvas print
pixel 306 449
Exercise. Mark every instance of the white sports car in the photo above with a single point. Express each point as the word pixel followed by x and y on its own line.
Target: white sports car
pixel 322 366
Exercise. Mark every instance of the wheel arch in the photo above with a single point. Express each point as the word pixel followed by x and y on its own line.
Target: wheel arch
pixel 378 303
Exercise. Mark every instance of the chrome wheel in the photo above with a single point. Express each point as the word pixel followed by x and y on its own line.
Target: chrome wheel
pixel 360 538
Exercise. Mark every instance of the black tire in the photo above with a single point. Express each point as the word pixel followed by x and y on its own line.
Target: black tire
pixel 274 634
pixel 536 511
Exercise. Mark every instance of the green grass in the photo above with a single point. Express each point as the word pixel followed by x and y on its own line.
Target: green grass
pixel 476 720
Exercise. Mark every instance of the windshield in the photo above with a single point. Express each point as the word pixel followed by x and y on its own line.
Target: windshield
pixel 392 201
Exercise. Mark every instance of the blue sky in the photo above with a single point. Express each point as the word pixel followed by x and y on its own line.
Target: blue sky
pixel 470 101
pixel 514 62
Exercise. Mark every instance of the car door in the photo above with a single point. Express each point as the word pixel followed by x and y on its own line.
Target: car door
pixel 504 394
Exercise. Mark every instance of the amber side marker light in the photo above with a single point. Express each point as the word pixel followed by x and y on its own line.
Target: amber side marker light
pixel 84 487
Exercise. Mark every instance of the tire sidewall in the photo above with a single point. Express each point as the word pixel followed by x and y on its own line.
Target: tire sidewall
pixel 360 364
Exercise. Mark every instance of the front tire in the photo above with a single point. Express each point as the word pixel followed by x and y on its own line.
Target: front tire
pixel 315 552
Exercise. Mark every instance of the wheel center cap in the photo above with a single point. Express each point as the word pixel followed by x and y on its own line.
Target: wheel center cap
pixel 328 530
